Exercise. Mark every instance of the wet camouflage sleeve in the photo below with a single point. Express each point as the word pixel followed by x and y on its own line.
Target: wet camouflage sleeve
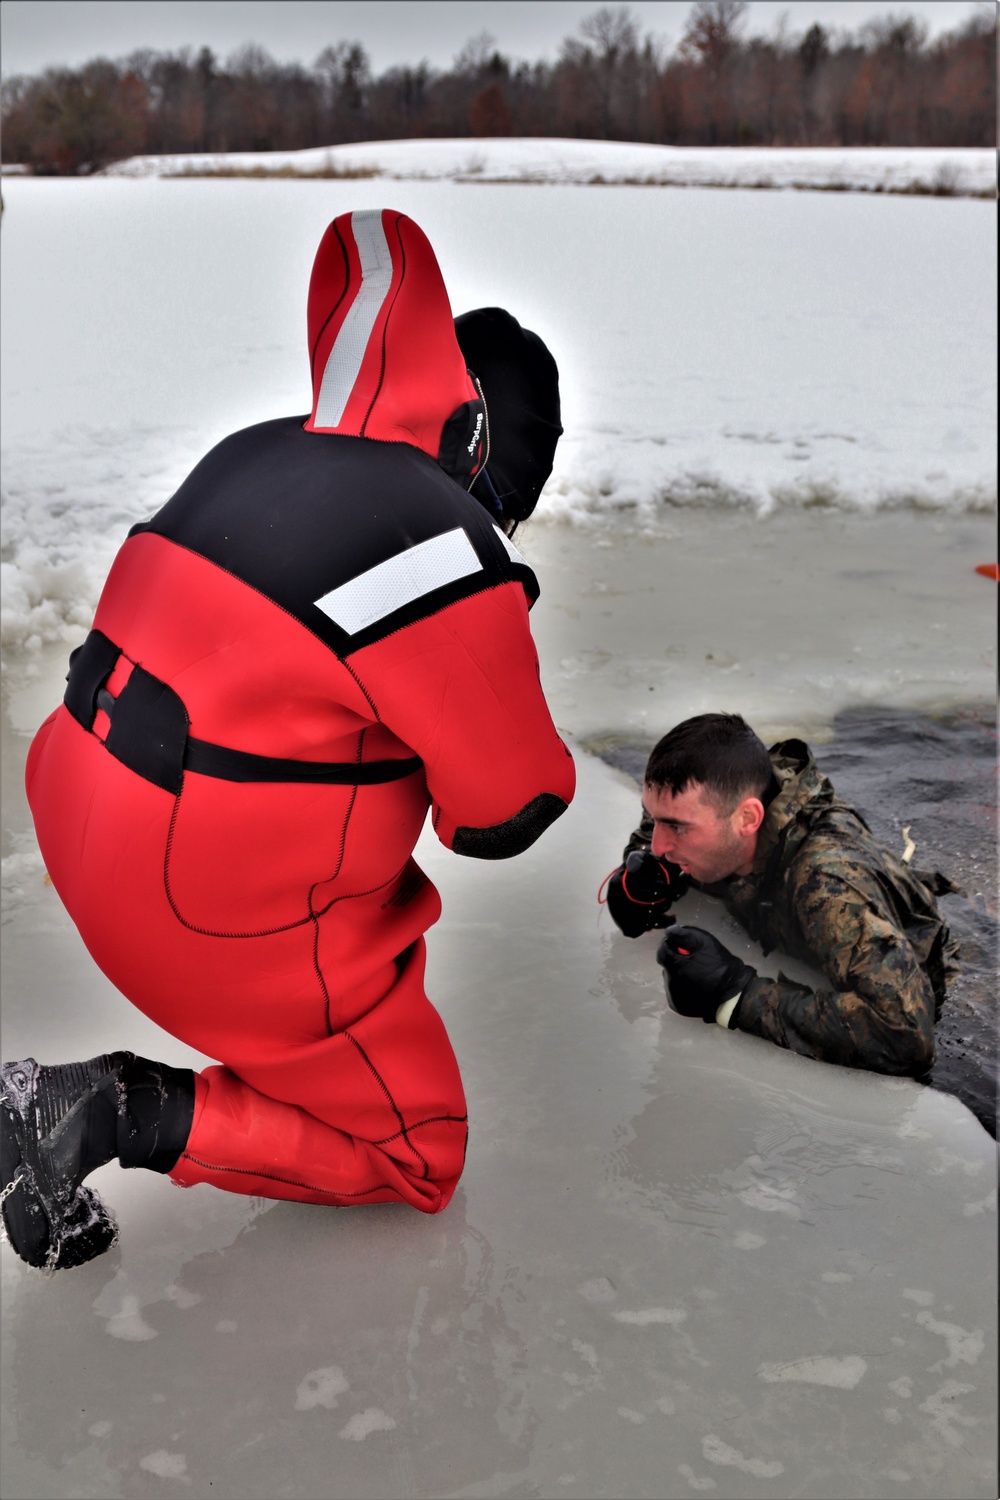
pixel 879 1012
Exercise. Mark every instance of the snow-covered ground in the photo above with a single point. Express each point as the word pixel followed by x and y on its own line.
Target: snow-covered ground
pixel 744 353
pixel 964 172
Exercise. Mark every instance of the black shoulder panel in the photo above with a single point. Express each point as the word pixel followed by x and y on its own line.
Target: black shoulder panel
pixel 505 840
pixel 300 515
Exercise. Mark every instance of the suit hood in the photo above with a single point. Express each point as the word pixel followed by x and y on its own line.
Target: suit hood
pixel 385 360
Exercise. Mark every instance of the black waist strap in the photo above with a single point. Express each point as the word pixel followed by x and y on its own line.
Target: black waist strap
pixel 239 765
pixel 149 732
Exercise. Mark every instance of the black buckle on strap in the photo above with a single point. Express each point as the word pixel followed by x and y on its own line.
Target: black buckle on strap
pixel 90 665
pixel 149 733
pixel 149 722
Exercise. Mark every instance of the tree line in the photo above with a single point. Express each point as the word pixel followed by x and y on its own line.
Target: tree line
pixel 885 85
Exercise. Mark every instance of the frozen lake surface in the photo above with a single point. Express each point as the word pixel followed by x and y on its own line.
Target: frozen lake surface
pixel 753 352
pixel 680 1261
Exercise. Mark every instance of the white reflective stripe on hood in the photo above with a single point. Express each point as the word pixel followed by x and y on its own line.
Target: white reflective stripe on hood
pixel 400 580
pixel 343 363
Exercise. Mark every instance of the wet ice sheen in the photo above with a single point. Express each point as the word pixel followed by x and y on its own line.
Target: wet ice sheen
pixel 819 1369
pixel 644 1317
pixel 588 1317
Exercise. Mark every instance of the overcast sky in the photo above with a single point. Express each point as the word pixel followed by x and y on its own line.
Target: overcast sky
pixel 36 34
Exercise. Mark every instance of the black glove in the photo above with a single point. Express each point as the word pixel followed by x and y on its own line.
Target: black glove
pixel 642 890
pixel 700 973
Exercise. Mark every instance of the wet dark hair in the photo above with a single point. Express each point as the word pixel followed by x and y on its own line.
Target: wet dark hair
pixel 718 751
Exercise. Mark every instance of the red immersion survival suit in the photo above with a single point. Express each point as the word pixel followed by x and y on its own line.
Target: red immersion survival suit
pixel 319 636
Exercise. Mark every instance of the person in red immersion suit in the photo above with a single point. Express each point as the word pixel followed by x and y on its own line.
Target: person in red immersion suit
pixel 321 635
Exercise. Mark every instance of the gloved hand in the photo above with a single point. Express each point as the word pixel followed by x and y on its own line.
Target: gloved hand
pixel 700 974
pixel 642 890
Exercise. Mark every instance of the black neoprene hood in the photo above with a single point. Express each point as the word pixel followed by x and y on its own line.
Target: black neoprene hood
pixel 520 382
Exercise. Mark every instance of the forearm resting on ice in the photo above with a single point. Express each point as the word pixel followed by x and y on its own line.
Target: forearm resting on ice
pixel 843 1026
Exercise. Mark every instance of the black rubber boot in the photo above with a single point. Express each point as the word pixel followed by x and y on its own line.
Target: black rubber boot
pixel 57 1124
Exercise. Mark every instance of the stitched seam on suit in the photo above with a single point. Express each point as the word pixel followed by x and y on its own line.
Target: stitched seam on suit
pixel 289 1181
pixel 357 895
pixel 314 915
pixel 431 1120
pixel 324 989
pixel 385 325
pixel 269 931
pixel 326 321
pixel 368 697
pixel 172 541
pixel 395 1108
pixel 315 633
pixel 208 931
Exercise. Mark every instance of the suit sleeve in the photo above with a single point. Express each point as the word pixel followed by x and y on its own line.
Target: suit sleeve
pixel 879 1010
pixel 461 688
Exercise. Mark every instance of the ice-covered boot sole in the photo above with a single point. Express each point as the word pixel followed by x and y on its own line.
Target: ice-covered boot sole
pixel 51 1223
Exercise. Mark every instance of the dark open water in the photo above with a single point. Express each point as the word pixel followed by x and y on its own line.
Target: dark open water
pixel 936 774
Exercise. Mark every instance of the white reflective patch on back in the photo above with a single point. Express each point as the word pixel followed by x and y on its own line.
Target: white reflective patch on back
pixel 400 580
pixel 509 547
pixel 343 363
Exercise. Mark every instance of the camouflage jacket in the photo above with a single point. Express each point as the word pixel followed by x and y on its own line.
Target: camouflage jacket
pixel 824 891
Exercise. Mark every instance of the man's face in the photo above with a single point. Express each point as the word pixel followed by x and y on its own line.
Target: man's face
pixel 690 830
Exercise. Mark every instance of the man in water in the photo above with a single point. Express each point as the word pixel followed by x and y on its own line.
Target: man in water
pixel 765 833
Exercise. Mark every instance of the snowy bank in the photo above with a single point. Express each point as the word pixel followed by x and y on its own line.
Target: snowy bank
pixel 740 367
pixel 951 172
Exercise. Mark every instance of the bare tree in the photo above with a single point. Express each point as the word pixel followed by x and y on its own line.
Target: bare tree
pixel 346 74
pixel 489 114
pixel 597 75
pixel 475 56
pixel 711 34
pixel 887 85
